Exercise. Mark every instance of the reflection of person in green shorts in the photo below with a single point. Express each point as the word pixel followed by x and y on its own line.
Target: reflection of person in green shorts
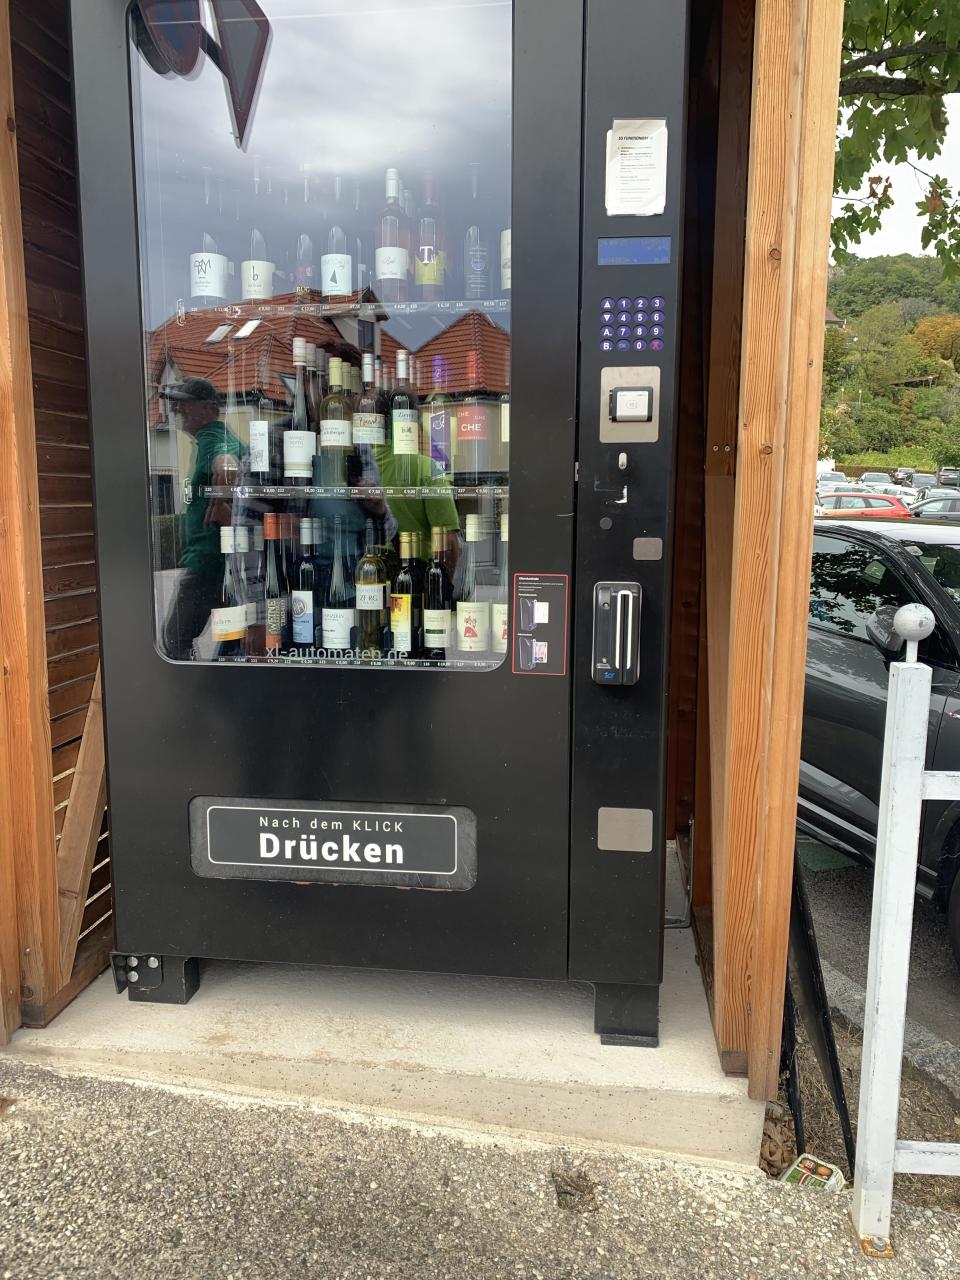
pixel 217 463
pixel 420 515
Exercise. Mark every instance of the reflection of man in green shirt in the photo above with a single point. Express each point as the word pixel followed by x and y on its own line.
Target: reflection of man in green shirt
pixel 420 515
pixel 217 463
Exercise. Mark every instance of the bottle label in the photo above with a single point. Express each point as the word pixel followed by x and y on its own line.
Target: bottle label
pixel 276 619
pixel 337 625
pixel 475 271
pixel 298 450
pixel 505 261
pixel 336 274
pixel 303 278
pixel 302 608
pixel 256 279
pixel 335 432
pixel 430 267
pixel 208 275
pixel 505 422
pixel 391 263
pixel 251 608
pixel 472 422
pixel 405 431
pixel 368 428
pixel 436 628
pixel 259 447
pixel 441 428
pixel 401 622
pixel 370 595
pixel 473 626
pixel 500 627
pixel 229 623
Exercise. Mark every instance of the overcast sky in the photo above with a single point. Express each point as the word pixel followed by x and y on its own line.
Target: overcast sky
pixel 901 225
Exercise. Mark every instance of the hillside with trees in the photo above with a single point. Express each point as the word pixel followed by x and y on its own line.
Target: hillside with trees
pixel 891 385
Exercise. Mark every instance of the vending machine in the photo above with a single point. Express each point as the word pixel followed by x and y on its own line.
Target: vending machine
pixel 384 532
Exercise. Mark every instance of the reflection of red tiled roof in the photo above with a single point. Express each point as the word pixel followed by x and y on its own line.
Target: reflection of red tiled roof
pixel 473 332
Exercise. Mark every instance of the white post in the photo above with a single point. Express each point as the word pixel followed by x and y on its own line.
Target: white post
pixel 891 927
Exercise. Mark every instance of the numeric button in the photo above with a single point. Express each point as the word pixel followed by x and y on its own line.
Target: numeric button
pixel 606 304
pixel 659 302
pixel 624 304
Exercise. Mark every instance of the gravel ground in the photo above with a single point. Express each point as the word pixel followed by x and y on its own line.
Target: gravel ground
pixel 113 1181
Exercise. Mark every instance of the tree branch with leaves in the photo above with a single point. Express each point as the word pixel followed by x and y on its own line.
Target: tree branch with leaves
pixel 900 59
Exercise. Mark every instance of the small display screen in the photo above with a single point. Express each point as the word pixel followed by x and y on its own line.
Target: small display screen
pixel 634 251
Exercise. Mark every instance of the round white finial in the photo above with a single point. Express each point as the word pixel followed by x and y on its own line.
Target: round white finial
pixel 914 622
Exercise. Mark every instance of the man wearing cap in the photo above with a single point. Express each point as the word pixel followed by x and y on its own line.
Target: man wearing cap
pixel 219 451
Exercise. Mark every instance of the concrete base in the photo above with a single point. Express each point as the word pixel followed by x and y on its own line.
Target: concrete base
pixel 468 1052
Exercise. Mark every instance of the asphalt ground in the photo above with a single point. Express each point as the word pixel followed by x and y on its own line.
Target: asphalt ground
pixel 103 1180
pixel 840 893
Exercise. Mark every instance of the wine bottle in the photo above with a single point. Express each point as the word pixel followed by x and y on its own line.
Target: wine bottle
pixel 437 619
pixel 255 576
pixel 371 584
pixel 406 604
pixel 438 421
pixel 336 264
pixel 404 425
pixel 500 608
pixel 473 427
pixel 228 618
pixel 473 614
pixel 505 256
pixel 392 254
pixel 274 593
pixel 368 421
pixel 299 442
pixel 503 464
pixel 310 373
pixel 431 246
pixel 209 267
pixel 303 597
pixel 339 614
pixel 336 437
pixel 476 247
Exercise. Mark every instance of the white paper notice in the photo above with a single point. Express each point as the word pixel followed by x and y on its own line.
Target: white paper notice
pixel 637 167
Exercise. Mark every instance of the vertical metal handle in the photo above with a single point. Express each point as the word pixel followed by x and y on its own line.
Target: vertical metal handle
pixel 618 623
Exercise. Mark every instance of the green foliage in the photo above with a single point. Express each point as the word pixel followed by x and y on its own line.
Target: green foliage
pixel 900 58
pixel 912 456
pixel 913 283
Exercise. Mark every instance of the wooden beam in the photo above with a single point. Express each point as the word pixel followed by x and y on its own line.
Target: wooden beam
pixel 81 831
pixel 27 839
pixel 821 73
pixel 723 390
pixel 93 956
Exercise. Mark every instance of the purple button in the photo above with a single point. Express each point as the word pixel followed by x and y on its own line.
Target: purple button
pixel 640 331
pixel 641 302
pixel 606 345
pixel 623 331
pixel 623 317
pixel 640 317
pixel 656 345
pixel 606 332
pixel 659 302
pixel 640 345
pixel 606 304
pixel 606 317
pixel 658 317
pixel 656 331
pixel 623 304
pixel 623 346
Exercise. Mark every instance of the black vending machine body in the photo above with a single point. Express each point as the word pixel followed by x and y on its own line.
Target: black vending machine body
pixel 281 200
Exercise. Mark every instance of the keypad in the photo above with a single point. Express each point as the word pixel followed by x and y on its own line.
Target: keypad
pixel 633 324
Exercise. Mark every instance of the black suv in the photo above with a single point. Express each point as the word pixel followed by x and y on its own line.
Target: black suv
pixel 861 572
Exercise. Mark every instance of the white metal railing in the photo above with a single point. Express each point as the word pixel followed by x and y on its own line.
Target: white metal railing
pixel 905 785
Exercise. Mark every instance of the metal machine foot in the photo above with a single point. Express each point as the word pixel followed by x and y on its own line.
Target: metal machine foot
pixel 626 1014
pixel 156 978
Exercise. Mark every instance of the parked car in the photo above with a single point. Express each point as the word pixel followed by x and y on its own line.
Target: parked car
pixel 904 492
pixel 924 479
pixel 934 491
pixel 903 475
pixel 862 573
pixel 942 508
pixel 831 479
pixel 949 476
pixel 846 504
pixel 875 477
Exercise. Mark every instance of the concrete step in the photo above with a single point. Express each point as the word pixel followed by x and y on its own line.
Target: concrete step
pixel 515 1056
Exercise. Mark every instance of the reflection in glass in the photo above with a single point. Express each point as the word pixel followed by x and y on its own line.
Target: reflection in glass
pixel 327 325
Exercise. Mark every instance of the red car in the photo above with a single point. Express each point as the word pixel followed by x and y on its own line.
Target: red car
pixel 847 505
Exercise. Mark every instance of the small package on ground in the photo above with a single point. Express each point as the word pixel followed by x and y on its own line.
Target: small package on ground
pixel 809 1171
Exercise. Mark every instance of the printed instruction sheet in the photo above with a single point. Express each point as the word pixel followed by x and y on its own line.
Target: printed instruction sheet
pixel 637 167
